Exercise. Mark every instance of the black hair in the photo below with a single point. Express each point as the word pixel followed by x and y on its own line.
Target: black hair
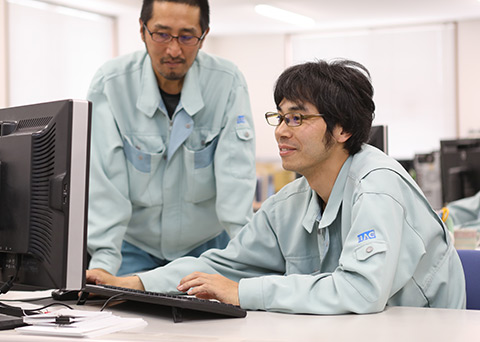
pixel 147 8
pixel 340 89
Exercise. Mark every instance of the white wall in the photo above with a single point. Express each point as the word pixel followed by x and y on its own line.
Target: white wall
pixel 59 61
pixel 469 78
pixel 65 51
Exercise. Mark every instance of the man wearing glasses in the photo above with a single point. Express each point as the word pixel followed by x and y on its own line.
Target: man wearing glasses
pixel 354 234
pixel 172 162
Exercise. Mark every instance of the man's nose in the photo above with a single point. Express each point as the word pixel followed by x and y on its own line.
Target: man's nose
pixel 174 49
pixel 282 130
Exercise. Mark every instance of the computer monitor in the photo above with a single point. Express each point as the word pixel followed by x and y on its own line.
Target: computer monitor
pixel 460 168
pixel 379 137
pixel 44 168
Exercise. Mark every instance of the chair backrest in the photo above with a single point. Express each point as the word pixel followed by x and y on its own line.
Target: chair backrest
pixel 471 267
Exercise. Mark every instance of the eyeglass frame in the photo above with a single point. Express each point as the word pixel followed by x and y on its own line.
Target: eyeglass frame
pixel 302 117
pixel 172 37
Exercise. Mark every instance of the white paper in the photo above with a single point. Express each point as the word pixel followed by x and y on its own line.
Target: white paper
pixel 89 324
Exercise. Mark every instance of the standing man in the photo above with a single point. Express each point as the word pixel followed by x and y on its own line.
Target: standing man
pixel 354 234
pixel 172 162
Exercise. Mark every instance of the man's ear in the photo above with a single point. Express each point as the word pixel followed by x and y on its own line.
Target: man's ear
pixel 340 135
pixel 142 30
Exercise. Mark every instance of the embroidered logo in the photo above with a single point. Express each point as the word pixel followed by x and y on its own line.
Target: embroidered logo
pixel 241 119
pixel 368 235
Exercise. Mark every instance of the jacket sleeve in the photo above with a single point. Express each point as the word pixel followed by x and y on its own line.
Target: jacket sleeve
pixel 362 283
pixel 465 212
pixel 235 161
pixel 253 252
pixel 109 205
pixel 363 280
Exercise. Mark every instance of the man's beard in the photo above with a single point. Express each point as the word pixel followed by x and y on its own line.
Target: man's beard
pixel 172 76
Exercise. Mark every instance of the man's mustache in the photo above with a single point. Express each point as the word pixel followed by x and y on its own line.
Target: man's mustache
pixel 172 60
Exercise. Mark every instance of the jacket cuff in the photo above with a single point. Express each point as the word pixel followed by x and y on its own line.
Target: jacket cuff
pixel 250 294
pixel 106 262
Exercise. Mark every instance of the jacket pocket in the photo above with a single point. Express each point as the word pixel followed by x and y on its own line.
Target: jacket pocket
pixel 199 168
pixel 142 165
pixel 367 250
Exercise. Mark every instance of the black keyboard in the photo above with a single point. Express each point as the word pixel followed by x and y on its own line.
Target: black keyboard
pixel 176 302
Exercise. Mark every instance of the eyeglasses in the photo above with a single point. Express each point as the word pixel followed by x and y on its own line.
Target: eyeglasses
pixel 291 119
pixel 163 37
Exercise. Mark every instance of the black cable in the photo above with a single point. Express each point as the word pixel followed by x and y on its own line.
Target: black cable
pixel 54 304
pixel 15 310
pixel 8 284
pixel 110 299
pixel 18 311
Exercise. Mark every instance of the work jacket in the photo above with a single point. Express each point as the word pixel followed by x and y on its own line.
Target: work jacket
pixel 377 243
pixel 168 185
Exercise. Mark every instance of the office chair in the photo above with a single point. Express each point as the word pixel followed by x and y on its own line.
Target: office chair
pixel 471 267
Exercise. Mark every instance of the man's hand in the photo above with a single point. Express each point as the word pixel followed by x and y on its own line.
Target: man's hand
pixel 210 286
pixel 100 276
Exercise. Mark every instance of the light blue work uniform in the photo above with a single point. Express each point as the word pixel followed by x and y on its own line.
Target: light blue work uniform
pixel 377 243
pixel 168 186
pixel 465 212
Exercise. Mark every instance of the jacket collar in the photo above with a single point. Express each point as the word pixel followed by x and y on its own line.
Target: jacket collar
pixel 312 213
pixel 336 197
pixel 333 205
pixel 150 99
pixel 191 99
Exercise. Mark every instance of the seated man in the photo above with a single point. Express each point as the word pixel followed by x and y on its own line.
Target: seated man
pixel 354 234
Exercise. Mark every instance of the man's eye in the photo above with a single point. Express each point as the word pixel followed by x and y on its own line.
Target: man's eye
pixel 296 118
pixel 162 35
pixel 186 38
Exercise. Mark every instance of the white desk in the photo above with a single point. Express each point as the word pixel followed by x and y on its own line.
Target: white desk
pixel 400 324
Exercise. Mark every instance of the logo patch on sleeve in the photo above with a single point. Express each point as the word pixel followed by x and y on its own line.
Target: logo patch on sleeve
pixel 368 235
pixel 241 119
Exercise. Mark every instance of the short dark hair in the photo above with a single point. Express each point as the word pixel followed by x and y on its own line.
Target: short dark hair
pixel 340 89
pixel 147 8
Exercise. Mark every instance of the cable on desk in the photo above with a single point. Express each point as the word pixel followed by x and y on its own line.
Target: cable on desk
pixel 9 283
pixel 109 300
pixel 18 311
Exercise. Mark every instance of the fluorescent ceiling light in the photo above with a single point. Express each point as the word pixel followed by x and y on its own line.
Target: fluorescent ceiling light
pixel 58 9
pixel 283 15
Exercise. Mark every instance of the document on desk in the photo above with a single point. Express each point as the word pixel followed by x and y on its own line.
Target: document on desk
pixel 78 323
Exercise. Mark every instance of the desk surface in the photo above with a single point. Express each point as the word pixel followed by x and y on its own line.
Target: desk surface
pixel 394 324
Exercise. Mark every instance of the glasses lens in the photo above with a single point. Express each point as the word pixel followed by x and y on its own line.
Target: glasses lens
pixel 273 119
pixel 295 119
pixel 188 40
pixel 160 37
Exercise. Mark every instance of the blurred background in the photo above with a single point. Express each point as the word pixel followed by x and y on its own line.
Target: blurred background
pixel 423 57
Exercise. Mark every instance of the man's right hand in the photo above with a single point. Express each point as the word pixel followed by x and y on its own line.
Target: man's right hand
pixel 100 276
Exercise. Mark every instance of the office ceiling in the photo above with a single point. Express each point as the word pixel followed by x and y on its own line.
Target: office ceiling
pixel 238 16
